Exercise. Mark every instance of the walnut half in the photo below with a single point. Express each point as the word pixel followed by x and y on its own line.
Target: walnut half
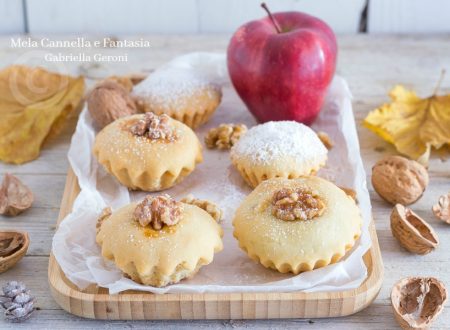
pixel 158 212
pixel 13 246
pixel 154 127
pixel 208 206
pixel 224 136
pixel 296 204
pixel 412 232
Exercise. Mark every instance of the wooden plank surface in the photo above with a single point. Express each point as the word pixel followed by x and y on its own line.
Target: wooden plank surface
pixel 372 65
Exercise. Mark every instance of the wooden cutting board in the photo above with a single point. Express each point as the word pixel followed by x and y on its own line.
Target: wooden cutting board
pixel 97 303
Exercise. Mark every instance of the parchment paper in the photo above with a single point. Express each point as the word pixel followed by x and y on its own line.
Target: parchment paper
pixel 215 179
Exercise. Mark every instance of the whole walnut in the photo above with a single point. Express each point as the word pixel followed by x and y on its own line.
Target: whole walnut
pixel 399 180
pixel 109 101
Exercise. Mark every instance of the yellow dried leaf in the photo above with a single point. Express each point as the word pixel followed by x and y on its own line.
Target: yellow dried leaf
pixel 412 124
pixel 34 103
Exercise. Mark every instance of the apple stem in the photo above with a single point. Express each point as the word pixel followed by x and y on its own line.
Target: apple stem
pixel 441 78
pixel 275 23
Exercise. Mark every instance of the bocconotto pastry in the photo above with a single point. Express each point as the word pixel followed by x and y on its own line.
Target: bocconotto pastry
pixel 285 149
pixel 297 225
pixel 147 151
pixel 181 94
pixel 159 241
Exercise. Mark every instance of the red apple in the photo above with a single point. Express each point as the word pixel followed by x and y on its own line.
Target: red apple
pixel 282 65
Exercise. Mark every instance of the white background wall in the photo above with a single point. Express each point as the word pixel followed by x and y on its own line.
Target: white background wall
pixel 214 16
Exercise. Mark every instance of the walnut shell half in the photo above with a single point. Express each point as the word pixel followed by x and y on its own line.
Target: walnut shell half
pixel 413 233
pixel 399 180
pixel 15 197
pixel 417 301
pixel 442 209
pixel 13 246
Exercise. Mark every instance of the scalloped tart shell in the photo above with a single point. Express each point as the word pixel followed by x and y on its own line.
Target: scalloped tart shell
pixel 159 258
pixel 141 163
pixel 297 246
pixel 193 109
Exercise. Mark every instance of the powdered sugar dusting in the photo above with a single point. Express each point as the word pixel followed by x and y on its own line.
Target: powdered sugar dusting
pixel 171 88
pixel 271 141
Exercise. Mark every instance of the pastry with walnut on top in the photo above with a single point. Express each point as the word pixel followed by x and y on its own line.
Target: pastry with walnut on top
pixel 160 241
pixel 147 151
pixel 297 225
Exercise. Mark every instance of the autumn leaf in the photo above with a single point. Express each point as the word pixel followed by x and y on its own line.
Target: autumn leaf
pixel 412 124
pixel 34 103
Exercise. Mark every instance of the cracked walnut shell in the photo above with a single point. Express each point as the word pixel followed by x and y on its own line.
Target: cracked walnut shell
pixel 399 180
pixel 442 209
pixel 108 101
pixel 15 197
pixel 417 301
pixel 13 246
pixel 413 233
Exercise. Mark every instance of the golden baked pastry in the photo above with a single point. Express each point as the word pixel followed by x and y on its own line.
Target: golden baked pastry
pixel 159 241
pixel 285 149
pixel 181 94
pixel 297 225
pixel 147 151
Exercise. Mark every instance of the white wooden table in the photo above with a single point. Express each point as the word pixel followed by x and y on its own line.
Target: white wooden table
pixel 371 64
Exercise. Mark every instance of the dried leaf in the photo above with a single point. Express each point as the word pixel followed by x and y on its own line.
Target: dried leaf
pixel 412 124
pixel 34 103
